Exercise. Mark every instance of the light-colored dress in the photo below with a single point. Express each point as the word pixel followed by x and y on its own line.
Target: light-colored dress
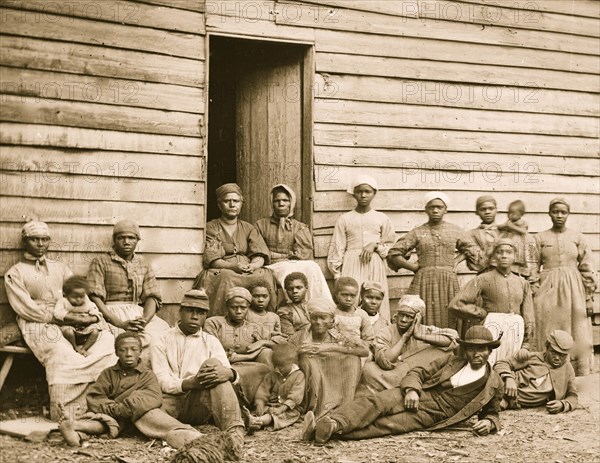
pixel 269 323
pixel 436 281
pixel 567 275
pixel 355 324
pixel 64 307
pixel 293 239
pixel 33 287
pixel 352 232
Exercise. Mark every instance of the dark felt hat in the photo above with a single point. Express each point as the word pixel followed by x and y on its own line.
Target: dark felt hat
pixel 480 336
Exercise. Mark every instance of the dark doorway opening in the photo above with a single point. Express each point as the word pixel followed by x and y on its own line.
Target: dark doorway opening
pixel 259 126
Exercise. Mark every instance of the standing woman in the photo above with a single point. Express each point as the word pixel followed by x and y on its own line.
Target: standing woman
pixel 124 287
pixel 361 240
pixel 436 243
pixel 234 255
pixel 567 284
pixel 290 243
pixel 33 286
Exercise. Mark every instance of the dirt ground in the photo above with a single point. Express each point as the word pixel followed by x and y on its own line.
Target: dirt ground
pixel 527 436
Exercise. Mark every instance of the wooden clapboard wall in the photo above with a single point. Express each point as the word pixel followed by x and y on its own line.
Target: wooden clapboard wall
pixel 103 119
pixel 470 97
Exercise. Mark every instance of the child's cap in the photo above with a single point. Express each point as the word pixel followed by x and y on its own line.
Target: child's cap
pixel 560 341
pixel 196 298
pixel 374 285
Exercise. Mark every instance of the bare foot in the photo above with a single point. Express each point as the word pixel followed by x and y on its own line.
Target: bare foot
pixel 69 434
pixel 82 351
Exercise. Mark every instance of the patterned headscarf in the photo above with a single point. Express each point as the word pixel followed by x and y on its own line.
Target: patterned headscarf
pixel 35 228
pixel 413 303
pixel 559 201
pixel 238 291
pixel 321 305
pixel 229 188
pixel 127 226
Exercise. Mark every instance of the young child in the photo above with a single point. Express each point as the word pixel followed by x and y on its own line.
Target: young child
pixel 515 228
pixel 371 297
pixel 269 322
pixel 280 394
pixel 294 316
pixel 485 235
pixel 544 378
pixel 348 319
pixel 76 302
pixel 361 240
pixel 125 393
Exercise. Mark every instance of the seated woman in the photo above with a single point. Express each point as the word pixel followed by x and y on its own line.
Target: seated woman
pixel 290 243
pixel 242 340
pixel 330 360
pixel 406 344
pixel 123 286
pixel 33 286
pixel 234 254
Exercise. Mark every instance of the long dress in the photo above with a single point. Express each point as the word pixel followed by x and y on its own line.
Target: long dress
pixel 484 236
pixel 560 302
pixel 436 281
pixel 352 232
pixel 294 240
pixel 33 289
pixel 124 286
pixel 237 339
pixel 502 303
pixel 331 377
pixel 245 244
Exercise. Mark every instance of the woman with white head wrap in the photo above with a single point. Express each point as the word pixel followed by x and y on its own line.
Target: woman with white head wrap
pixel 436 243
pixel 33 286
pixel 290 243
pixel 361 240
pixel 568 280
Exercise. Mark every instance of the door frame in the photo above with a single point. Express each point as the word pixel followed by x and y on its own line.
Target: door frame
pixel 307 155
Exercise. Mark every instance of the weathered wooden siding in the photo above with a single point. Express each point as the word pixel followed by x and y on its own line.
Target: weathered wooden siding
pixel 103 118
pixel 466 96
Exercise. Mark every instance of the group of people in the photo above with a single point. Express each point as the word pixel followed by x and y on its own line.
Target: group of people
pixel 261 340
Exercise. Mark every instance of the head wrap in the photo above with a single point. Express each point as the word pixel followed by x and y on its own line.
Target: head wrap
pixel 436 195
pixel 479 335
pixel 505 241
pixel 560 341
pixel 484 199
pixel 126 226
pixel 321 305
pixel 413 303
pixel 559 201
pixel 229 188
pixel 196 298
pixel 238 291
pixel 374 285
pixel 285 223
pixel 35 228
pixel 362 180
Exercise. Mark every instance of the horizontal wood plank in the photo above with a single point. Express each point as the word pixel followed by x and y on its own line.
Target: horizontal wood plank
pixel 98 116
pixel 59 185
pixel 462 201
pixel 121 166
pixel 93 60
pixel 417 92
pixel 36 86
pixel 97 212
pixel 72 137
pixel 422 163
pixel 373 44
pixel 337 63
pixel 363 21
pixel 440 117
pixel 517 15
pixel 453 140
pixel 192 5
pixel 122 12
pixel 585 8
pixel 69 29
pixel 75 237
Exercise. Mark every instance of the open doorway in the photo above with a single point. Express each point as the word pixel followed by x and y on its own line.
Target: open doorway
pixel 260 126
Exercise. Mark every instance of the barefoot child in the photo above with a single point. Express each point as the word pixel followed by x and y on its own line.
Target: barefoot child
pixel 361 240
pixel 76 301
pixel 294 316
pixel 125 393
pixel 348 319
pixel 280 394
pixel 269 322
pixel 371 297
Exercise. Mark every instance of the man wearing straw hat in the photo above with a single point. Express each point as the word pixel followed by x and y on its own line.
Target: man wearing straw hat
pixel 443 393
